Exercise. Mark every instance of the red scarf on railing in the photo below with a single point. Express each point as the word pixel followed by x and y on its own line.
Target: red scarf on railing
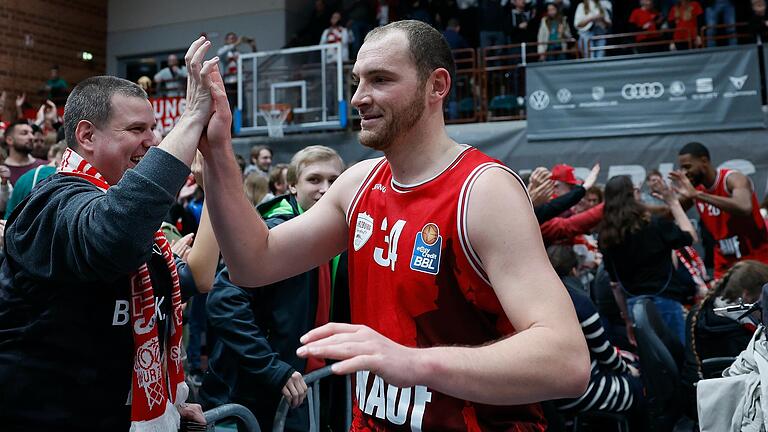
pixel 157 383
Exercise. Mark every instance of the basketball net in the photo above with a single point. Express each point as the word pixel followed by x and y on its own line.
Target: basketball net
pixel 275 115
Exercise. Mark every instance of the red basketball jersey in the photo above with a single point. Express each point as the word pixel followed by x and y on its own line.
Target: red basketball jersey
pixel 415 278
pixel 736 237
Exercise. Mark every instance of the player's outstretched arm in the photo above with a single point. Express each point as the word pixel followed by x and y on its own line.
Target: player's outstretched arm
pixel 255 255
pixel 546 359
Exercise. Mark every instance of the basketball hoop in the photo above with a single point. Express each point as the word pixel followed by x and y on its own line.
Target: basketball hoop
pixel 275 115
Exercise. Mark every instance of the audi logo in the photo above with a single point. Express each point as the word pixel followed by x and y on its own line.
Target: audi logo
pixel 642 91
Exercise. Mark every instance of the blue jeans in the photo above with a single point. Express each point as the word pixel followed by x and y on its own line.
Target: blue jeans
pixel 584 38
pixel 725 9
pixel 670 311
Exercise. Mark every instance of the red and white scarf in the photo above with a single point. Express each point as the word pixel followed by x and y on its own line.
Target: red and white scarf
pixel 157 383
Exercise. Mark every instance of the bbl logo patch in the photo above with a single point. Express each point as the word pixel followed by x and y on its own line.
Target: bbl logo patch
pixel 426 250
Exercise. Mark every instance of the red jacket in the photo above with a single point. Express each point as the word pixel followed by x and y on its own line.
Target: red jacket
pixel 562 229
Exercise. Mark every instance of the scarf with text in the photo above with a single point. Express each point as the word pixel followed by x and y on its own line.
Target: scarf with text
pixel 158 382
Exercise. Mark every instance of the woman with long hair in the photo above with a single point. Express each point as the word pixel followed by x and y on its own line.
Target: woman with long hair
pixel 593 18
pixel 637 249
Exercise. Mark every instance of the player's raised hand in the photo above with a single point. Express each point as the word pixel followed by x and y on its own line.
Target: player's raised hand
pixel 219 130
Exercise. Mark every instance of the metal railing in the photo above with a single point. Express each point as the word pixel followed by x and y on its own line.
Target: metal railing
pixel 312 380
pixel 658 38
pixel 230 411
pixel 739 31
pixel 502 70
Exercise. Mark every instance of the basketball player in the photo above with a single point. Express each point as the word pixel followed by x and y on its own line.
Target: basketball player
pixel 727 206
pixel 460 322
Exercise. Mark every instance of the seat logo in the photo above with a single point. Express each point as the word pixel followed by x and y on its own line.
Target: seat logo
pixel 739 81
pixel 539 100
pixel 652 90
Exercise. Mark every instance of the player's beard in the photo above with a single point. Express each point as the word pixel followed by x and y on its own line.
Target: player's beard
pixel 403 119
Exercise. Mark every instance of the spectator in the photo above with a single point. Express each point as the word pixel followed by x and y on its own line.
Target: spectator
pixel 758 21
pixel 76 231
pixel 261 161
pixel 278 180
pixel 361 17
pixel 565 179
pixel 492 22
pixel 453 35
pixel 637 248
pixel 19 140
pixel 172 80
pixel 720 12
pixel 228 55
pixel 6 190
pixel 614 383
pixel 593 18
pixel 48 118
pixel 256 188
pixel 647 19
pixel 56 87
pixel 39 148
pixel 257 330
pixel 336 33
pixel 710 335
pixel 685 17
pixel 727 206
pixel 418 10
pixel 521 25
pixel 467 15
pixel 553 31
pixel 31 178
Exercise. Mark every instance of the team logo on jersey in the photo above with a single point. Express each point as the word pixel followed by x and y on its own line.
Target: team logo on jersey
pixel 363 230
pixel 426 250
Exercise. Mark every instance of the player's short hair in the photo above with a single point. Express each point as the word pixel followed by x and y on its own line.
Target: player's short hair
pixel 695 149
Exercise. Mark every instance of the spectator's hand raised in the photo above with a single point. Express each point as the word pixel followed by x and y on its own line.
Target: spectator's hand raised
pixel 183 246
pixel 661 190
pixel 5 174
pixel 20 99
pixel 542 193
pixel 199 100
pixel 592 177
pixel 538 176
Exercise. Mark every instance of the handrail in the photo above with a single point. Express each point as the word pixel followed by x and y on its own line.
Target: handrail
pixel 716 37
pixel 655 42
pixel 520 51
pixel 233 410
pixel 282 408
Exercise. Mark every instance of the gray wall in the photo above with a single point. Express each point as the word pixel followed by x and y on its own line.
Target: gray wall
pixel 150 26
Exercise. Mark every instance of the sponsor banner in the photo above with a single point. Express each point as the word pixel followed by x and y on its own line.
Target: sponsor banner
pixel 167 111
pixel 701 90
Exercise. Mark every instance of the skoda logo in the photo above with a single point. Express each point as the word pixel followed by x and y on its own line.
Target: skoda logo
pixel 539 100
pixel 677 88
pixel 642 91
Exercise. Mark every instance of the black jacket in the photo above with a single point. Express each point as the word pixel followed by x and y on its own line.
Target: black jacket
pixel 257 333
pixel 66 345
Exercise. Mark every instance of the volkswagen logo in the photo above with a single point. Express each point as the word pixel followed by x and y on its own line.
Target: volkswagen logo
pixel 564 95
pixel 652 90
pixel 539 100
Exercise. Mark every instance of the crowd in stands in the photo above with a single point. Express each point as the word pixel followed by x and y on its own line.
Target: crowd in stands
pixel 667 24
